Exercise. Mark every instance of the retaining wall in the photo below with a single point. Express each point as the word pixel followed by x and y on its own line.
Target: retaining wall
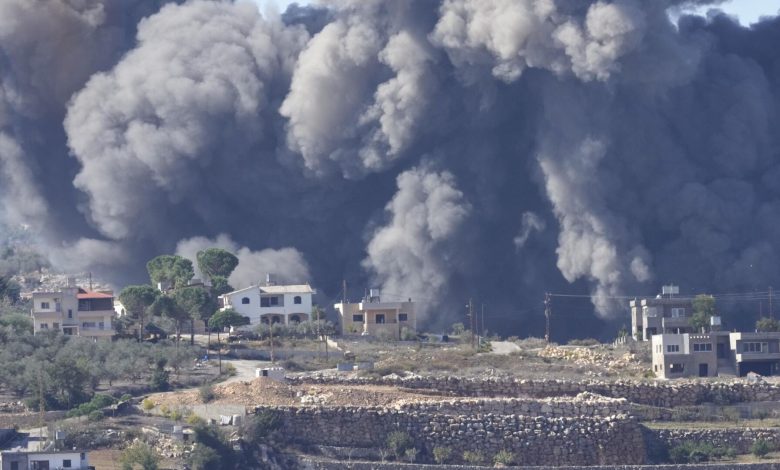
pixel 534 440
pixel 666 393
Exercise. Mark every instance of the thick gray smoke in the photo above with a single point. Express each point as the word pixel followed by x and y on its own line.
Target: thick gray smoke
pixel 441 149
pixel 286 265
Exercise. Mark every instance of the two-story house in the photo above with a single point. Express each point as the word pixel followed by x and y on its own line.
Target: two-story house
pixel 716 353
pixel 375 317
pixel 74 311
pixel 664 314
pixel 270 303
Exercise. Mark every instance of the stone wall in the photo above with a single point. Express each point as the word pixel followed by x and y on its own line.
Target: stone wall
pixel 583 405
pixel 315 464
pixel 666 394
pixel 542 440
pixel 740 439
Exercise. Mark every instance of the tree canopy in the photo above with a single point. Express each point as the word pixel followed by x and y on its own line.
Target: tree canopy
pixel 767 324
pixel 174 269
pixel 216 262
pixel 703 310
pixel 136 300
pixel 8 289
pixel 227 318
pixel 195 301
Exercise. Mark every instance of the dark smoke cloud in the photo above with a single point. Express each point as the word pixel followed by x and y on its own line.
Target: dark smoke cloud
pixel 441 149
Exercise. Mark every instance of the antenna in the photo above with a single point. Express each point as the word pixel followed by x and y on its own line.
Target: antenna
pixel 771 311
pixel 343 291
pixel 547 313
pixel 90 281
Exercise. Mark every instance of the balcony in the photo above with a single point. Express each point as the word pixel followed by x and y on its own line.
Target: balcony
pixel 676 322
pixel 758 356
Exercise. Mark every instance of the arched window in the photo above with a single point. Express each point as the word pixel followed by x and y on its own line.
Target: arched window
pixel 295 319
pixel 297 299
pixel 245 300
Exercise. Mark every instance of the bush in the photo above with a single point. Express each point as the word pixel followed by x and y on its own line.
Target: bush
pixel 98 402
pixel 206 393
pixel 442 455
pixel 697 452
pixel 760 448
pixel 474 458
pixel 140 454
pixel 126 397
pixel 229 370
pixel 584 342
pixel 504 457
pixel 96 415
pixel 160 380
pixel 260 426
pixel 398 442
pixel 147 404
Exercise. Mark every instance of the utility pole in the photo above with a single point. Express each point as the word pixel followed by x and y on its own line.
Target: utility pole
pixel 472 323
pixel 547 313
pixel 271 336
pixel 771 311
pixel 483 320
pixel 343 292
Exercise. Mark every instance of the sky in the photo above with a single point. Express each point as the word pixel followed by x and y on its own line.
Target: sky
pixel 748 11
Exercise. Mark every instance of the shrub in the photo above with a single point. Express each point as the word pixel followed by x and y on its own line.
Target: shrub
pixel 260 426
pixel 96 415
pixel 398 442
pixel 694 452
pixel 160 380
pixel 194 420
pixel 126 397
pixel 147 404
pixel 411 454
pixel 504 457
pixel 175 414
pixel 760 448
pixel 442 455
pixel 474 458
pixel 229 370
pixel 584 342
pixel 140 454
pixel 206 393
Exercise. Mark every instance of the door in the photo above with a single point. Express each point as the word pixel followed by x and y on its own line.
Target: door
pixel 721 351
pixel 703 369
pixel 380 318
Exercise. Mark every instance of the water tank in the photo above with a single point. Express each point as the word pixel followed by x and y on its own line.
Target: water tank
pixel 373 295
pixel 714 321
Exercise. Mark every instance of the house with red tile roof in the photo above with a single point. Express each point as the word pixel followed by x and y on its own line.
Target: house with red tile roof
pixel 74 311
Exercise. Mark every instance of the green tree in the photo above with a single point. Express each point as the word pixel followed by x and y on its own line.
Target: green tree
pixel 703 310
pixel 767 324
pixel 225 319
pixel 219 286
pixel 136 300
pixel 166 306
pixel 171 269
pixel 197 303
pixel 9 289
pixel 216 262
pixel 141 454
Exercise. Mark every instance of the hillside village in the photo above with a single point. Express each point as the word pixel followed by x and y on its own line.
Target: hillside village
pixel 225 377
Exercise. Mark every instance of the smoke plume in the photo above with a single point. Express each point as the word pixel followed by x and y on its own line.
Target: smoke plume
pixel 438 149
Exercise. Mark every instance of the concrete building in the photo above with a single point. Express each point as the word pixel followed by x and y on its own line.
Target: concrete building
pixel 31 460
pixel 663 314
pixel 271 303
pixel 375 317
pixel 716 353
pixel 74 311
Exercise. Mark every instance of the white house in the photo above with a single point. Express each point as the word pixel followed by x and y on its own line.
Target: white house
pixel 28 460
pixel 271 303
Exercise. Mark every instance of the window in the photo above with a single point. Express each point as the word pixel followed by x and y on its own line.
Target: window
pixel 297 299
pixel 56 326
pixel 676 368
pixel 14 465
pixel 274 300
pixel 44 326
pixel 702 347
pixel 380 318
pixel 70 312
pixel 357 318
pixel 672 348
pixel 245 301
pixel 66 463
pixel 101 325
pixel 44 305
pixel 678 312
pixel 295 319
pixel 754 347
pixel 403 317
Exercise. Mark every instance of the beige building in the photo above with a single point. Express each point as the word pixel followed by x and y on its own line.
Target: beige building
pixel 374 317
pixel 663 314
pixel 74 312
pixel 714 354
